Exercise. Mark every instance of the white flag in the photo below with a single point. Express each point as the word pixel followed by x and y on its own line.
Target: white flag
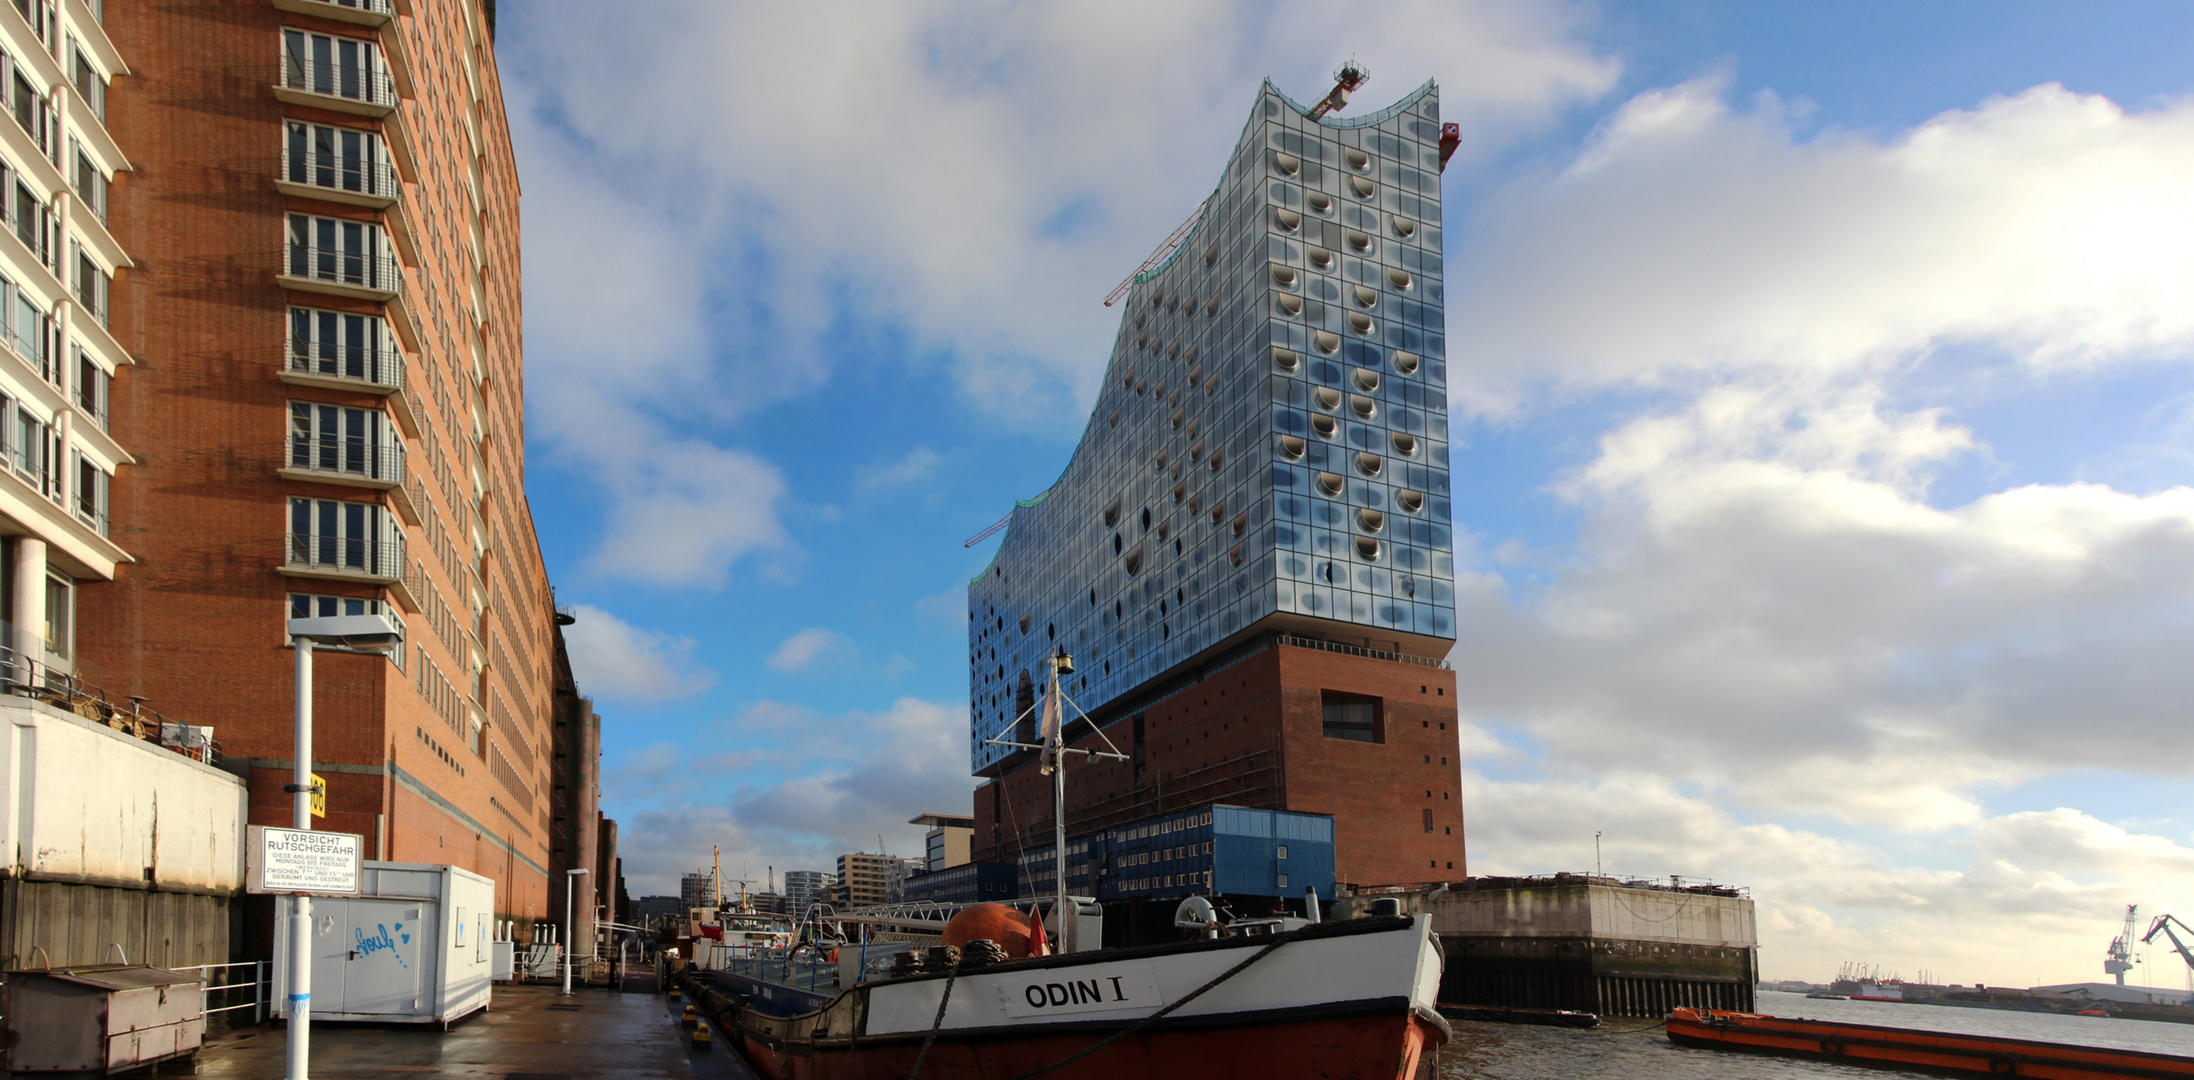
pixel 1052 742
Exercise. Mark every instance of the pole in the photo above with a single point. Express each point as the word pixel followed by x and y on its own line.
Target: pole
pixel 300 920
pixel 1059 815
pixel 571 885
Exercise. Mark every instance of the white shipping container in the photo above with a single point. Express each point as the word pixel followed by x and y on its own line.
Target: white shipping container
pixel 416 947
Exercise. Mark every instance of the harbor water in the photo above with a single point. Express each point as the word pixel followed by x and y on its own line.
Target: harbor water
pixel 1629 1048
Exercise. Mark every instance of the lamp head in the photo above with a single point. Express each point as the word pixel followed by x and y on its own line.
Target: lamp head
pixel 374 634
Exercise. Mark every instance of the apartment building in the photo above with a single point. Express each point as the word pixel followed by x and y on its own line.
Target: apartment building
pixel 58 353
pixel 319 317
pixel 866 880
pixel 805 887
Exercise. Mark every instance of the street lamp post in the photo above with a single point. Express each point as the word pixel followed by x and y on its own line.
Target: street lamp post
pixel 359 633
pixel 571 885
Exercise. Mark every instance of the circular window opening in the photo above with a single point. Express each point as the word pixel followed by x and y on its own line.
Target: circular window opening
pixel 1292 447
pixel 1320 202
pixel 1327 343
pixel 1146 510
pixel 1409 501
pixel 1367 380
pixel 1364 187
pixel 1327 397
pixel 1357 159
pixel 1403 227
pixel 1218 511
pixel 1332 483
pixel 1370 520
pixel 1284 359
pixel 1405 362
pixel 1292 305
pixel 1368 463
pixel 1363 407
pixel 1288 220
pixel 1241 524
pixel 1324 426
pixel 1116 543
pixel 1284 276
pixel 1361 241
pixel 1405 445
pixel 1360 322
pixel 1321 258
pixel 1399 278
pixel 1367 549
pixel 1288 164
pixel 1366 298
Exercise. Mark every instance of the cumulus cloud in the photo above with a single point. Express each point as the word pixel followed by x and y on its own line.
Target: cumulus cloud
pixel 916 467
pixel 805 648
pixel 804 788
pixel 1693 239
pixel 614 660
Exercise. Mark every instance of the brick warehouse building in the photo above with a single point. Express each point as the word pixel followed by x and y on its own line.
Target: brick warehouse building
pixel 1250 554
pixel 320 210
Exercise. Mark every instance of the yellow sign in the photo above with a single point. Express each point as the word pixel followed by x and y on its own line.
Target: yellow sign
pixel 319 796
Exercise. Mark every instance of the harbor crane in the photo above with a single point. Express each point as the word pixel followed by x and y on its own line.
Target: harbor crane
pixel 2162 925
pixel 2119 959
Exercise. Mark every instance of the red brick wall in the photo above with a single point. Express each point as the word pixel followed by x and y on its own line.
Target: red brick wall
pixel 1252 734
pixel 195 623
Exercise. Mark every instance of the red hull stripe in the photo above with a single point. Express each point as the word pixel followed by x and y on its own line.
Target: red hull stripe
pixel 1389 1047
pixel 1869 1044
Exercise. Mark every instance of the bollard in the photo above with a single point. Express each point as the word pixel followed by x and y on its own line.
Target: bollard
pixel 701 1035
pixel 689 1019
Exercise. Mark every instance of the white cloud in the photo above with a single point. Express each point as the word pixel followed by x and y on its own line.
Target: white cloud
pixel 1691 239
pixel 807 647
pixel 917 467
pixel 616 661
pixel 684 512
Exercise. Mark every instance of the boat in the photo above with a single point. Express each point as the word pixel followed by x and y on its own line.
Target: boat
pixel 1879 991
pixel 1937 1051
pixel 1823 995
pixel 1253 998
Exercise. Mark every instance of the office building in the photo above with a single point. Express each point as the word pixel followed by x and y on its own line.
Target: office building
pixel 698 889
pixel 1249 555
pixel 805 887
pixel 320 303
pixel 946 843
pixel 1215 851
pixel 865 880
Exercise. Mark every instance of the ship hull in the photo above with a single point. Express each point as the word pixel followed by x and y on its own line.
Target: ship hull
pixel 1341 1000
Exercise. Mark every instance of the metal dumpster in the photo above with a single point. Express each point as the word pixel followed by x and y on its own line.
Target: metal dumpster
pixel 101 1019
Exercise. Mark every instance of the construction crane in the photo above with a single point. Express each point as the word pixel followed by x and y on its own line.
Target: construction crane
pixel 2119 959
pixel 2162 925
pixel 1346 79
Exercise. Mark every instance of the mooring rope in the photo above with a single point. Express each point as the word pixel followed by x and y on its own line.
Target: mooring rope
pixel 950 976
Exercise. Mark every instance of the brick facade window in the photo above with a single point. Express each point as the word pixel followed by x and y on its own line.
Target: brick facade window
pixel 1353 717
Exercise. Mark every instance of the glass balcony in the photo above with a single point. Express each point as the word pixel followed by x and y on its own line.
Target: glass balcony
pixel 377 367
pixel 331 552
pixel 361 12
pixel 359 462
pixel 319 174
pixel 353 87
pixel 370 272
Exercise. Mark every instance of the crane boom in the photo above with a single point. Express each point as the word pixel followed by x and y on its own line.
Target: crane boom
pixel 2162 925
pixel 2119 959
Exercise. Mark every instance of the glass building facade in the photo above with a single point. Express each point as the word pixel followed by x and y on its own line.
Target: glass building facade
pixel 1270 446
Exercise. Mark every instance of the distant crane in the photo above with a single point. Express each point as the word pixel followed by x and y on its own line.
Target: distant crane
pixel 2119 959
pixel 2162 925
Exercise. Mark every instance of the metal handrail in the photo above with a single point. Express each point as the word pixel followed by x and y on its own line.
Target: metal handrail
pixel 375 364
pixel 343 455
pixel 377 7
pixel 23 673
pixel 346 555
pixel 336 173
pixel 368 85
pixel 377 270
pixel 1358 650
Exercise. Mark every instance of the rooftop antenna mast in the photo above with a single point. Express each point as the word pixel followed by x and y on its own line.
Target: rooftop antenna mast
pixel 1346 79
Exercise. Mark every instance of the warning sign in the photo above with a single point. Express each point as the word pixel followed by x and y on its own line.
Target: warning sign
pixel 288 862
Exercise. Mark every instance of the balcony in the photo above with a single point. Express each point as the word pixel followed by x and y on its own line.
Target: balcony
pixel 351 462
pixel 360 12
pixel 344 558
pixel 316 175
pixel 323 84
pixel 366 369
pixel 361 275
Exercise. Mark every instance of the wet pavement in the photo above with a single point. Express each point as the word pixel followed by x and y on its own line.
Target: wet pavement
pixel 531 1033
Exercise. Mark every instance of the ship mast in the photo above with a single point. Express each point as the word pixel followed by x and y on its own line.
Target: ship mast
pixel 1052 754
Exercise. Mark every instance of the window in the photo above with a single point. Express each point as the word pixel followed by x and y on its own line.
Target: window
pixel 91 387
pixel 27 449
pixel 310 606
pixel 330 438
pixel 93 486
pixel 341 345
pixel 336 66
pixel 29 327
pixel 88 81
pixel 1283 881
pixel 345 536
pixel 92 283
pixel 91 185
pixel 1428 819
pixel 340 159
pixel 1283 851
pixel 60 615
pixel 1352 717
pixel 339 250
pixel 31 217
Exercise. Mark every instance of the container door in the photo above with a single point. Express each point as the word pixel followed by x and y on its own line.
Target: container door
pixel 387 946
pixel 330 953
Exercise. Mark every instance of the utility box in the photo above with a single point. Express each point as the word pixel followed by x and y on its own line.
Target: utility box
pixel 502 960
pixel 101 1019
pixel 415 946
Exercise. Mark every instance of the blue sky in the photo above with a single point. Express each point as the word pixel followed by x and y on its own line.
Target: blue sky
pixel 1821 386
